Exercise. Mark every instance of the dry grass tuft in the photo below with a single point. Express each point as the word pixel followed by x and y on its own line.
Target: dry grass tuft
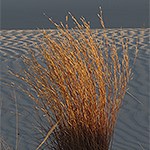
pixel 80 81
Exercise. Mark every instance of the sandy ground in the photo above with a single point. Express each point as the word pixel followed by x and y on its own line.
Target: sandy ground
pixel 132 130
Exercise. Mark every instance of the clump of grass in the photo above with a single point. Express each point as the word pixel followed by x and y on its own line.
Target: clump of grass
pixel 80 82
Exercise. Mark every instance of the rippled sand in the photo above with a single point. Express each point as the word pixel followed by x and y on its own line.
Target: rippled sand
pixel 132 130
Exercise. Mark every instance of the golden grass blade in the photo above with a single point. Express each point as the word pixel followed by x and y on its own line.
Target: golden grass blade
pixel 47 136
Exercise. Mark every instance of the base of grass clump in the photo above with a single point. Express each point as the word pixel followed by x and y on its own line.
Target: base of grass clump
pixel 85 140
pixel 80 83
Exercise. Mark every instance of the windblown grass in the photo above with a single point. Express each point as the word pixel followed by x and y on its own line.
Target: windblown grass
pixel 80 82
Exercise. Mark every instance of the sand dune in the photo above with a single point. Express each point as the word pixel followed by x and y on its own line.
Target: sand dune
pixel 132 130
